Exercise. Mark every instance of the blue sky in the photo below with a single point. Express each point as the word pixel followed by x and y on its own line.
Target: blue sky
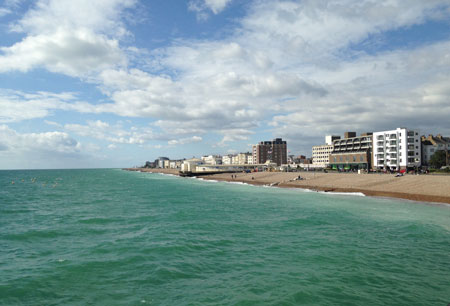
pixel 111 83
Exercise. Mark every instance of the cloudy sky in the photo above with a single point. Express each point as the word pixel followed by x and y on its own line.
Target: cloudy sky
pixel 113 83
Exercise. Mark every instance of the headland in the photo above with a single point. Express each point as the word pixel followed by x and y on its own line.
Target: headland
pixel 423 188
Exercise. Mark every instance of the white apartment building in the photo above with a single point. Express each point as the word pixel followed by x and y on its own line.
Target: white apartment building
pixel 235 160
pixel 227 159
pixel 396 149
pixel 242 158
pixel 321 155
pixel 250 159
pixel 212 159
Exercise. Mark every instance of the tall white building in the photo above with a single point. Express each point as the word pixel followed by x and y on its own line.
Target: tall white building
pixel 396 149
pixel 321 155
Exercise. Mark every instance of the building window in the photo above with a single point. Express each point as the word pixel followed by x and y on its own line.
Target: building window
pixel 340 158
pixel 354 158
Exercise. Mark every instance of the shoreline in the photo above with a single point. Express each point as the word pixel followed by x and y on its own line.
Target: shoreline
pixel 419 188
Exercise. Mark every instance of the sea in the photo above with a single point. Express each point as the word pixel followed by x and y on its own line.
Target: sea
pixel 114 237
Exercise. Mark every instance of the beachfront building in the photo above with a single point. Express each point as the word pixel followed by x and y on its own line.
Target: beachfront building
pixel 235 160
pixel 321 155
pixel 160 161
pixel 395 150
pixel 330 138
pixel 212 159
pixel 250 160
pixel 175 164
pixel 242 158
pixel 352 152
pixel 189 165
pixel 274 151
pixel 227 159
pixel 432 144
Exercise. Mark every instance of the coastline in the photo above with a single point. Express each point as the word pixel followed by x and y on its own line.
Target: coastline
pixel 422 188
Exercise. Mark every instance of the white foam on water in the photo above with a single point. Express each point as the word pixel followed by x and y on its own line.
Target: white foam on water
pixel 358 194
pixel 212 181
pixel 238 183
pixel 168 174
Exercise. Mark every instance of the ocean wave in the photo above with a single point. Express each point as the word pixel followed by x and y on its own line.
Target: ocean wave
pixel 358 194
pixel 167 174
pixel 206 180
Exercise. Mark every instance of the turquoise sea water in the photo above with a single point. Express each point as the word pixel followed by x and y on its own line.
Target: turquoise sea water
pixel 111 237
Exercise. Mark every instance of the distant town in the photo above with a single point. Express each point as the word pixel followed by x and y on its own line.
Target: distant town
pixel 398 150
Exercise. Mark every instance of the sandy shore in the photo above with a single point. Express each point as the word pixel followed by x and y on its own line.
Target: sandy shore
pixel 424 188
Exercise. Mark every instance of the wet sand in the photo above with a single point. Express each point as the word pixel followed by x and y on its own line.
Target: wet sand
pixel 424 188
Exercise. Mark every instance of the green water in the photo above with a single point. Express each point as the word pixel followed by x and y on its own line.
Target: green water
pixel 111 237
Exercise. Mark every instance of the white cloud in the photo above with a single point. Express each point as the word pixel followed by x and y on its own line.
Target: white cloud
pixel 64 51
pixel 289 63
pixel 4 11
pixel 184 140
pixel 216 5
pixel 112 133
pixel 76 38
pixel 101 16
pixel 58 142
pixel 203 7
pixel 53 149
pixel 16 106
pixel 286 62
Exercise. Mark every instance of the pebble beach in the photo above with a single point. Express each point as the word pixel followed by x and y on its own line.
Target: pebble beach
pixel 424 188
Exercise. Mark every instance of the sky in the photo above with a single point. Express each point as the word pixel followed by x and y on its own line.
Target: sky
pixel 115 83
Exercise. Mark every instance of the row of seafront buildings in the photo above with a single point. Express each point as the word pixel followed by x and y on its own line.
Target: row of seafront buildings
pixel 266 154
pixel 393 150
